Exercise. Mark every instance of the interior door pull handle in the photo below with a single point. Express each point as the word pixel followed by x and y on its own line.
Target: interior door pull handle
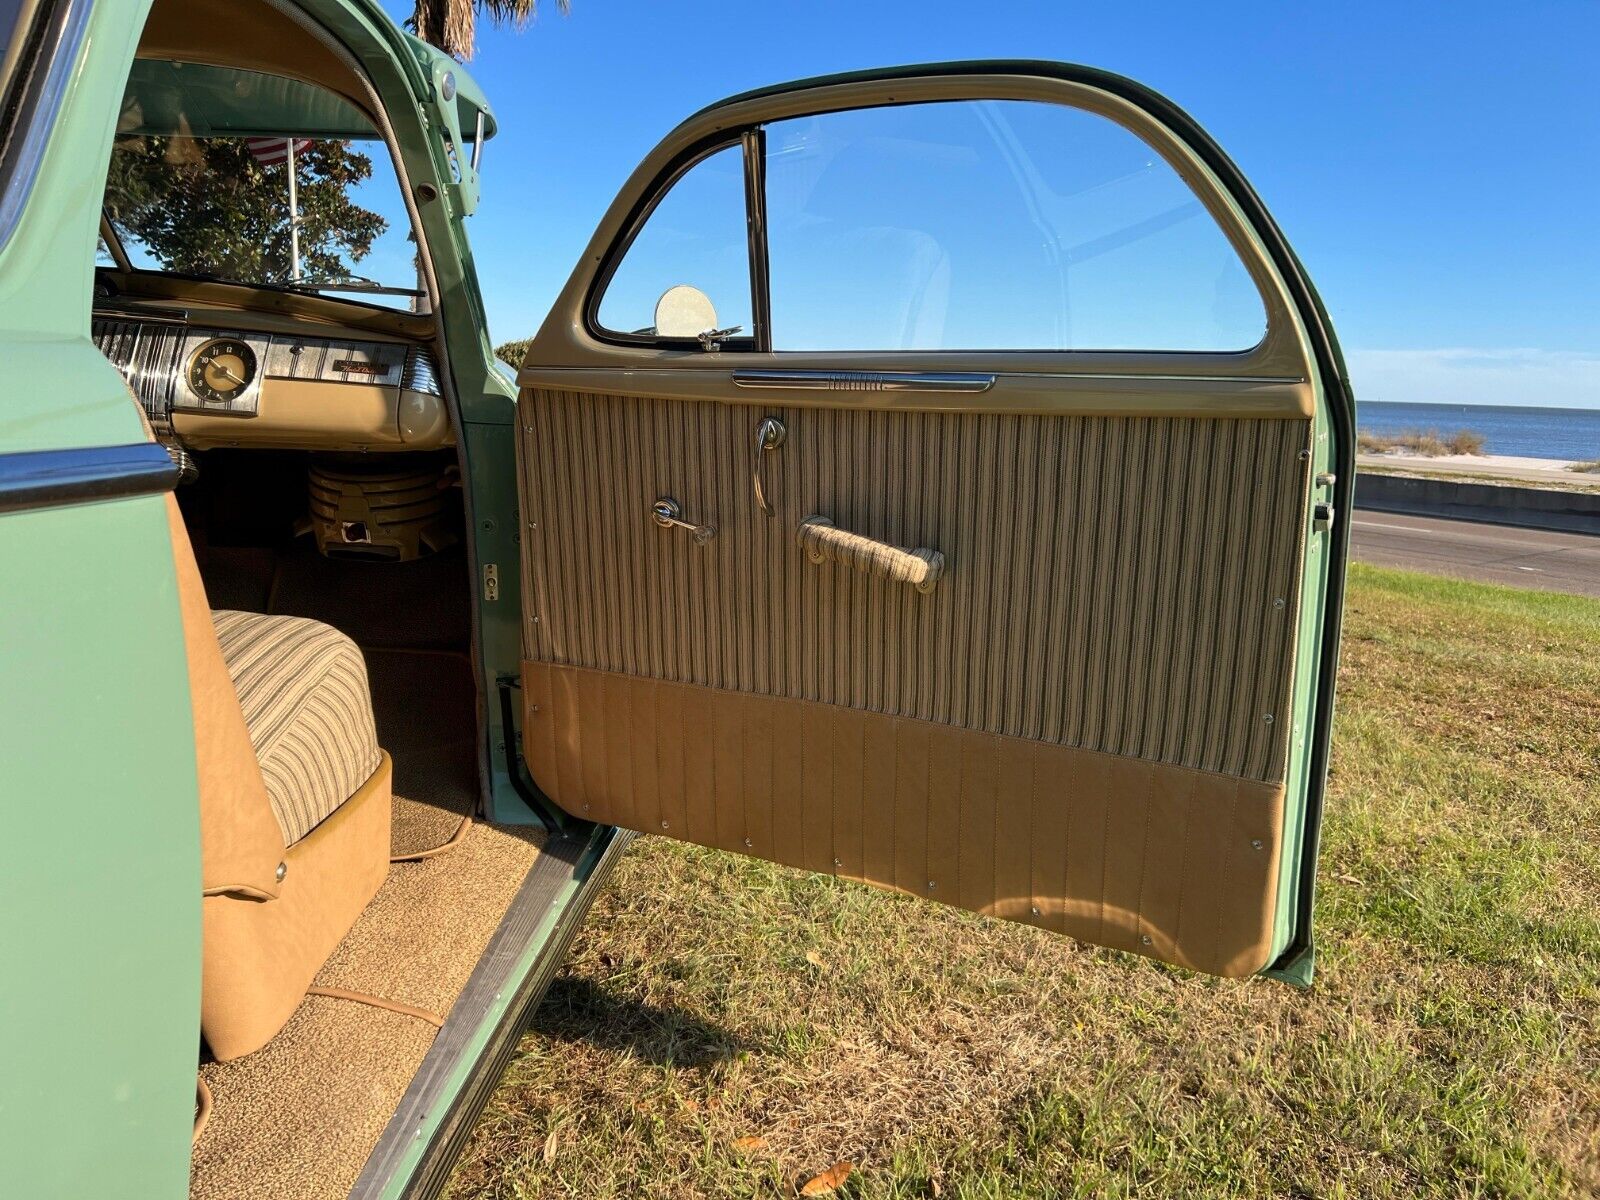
pixel 668 513
pixel 823 541
pixel 770 434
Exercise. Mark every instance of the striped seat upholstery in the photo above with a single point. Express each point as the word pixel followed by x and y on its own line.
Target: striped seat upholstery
pixel 303 688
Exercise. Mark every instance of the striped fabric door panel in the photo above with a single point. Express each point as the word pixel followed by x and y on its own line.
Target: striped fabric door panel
pixel 1110 639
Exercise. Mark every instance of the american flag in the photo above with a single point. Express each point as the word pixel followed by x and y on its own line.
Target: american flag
pixel 269 151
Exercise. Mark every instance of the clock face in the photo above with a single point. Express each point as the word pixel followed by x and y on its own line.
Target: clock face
pixel 221 370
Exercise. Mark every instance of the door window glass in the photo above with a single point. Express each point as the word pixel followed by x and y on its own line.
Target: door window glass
pixel 693 245
pixel 996 224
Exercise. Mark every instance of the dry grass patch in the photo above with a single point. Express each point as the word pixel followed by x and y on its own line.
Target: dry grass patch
pixel 726 1028
pixel 1429 443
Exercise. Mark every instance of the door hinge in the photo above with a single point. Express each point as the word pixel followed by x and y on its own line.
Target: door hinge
pixel 491 581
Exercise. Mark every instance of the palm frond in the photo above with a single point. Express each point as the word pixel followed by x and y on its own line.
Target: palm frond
pixel 451 25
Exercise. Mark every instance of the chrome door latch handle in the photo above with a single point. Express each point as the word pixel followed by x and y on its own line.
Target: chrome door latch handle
pixel 770 434
pixel 668 513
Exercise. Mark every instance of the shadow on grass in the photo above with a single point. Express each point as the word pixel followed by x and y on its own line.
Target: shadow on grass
pixel 576 1009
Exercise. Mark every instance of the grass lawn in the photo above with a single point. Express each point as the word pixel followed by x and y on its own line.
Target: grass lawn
pixel 725 1027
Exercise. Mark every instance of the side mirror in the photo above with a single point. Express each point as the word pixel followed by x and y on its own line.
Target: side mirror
pixel 684 311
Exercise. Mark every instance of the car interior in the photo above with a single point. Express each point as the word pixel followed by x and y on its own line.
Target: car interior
pixel 958 604
pixel 349 888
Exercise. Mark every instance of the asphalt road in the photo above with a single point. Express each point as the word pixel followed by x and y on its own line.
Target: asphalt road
pixel 1535 558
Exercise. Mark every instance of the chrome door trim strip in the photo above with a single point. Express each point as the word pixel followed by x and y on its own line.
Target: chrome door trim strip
pixel 866 381
pixel 35 479
pixel 39 103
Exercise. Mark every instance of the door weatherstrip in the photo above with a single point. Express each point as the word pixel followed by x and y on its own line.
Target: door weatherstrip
pixel 34 479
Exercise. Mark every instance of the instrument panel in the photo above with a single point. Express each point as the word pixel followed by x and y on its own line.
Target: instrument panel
pixel 205 385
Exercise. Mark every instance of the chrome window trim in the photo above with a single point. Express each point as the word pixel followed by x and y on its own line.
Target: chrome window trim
pixel 36 114
pixel 866 381
pixel 35 479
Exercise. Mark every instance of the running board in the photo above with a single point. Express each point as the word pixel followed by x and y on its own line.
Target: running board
pixel 420 1144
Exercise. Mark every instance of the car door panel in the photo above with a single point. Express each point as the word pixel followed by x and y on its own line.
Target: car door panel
pixel 1114 622
pixel 1087 718
pixel 1142 856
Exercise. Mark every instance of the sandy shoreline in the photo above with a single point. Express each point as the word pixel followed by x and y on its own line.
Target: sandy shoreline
pixel 1478 462
pixel 1509 466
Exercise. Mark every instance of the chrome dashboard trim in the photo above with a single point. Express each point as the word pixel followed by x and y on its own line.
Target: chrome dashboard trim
pixel 35 479
pixel 420 374
pixel 153 352
pixel 144 316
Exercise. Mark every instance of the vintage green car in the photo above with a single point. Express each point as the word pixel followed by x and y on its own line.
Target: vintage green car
pixel 929 477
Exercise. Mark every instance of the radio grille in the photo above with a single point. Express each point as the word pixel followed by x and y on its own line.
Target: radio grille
pixel 421 374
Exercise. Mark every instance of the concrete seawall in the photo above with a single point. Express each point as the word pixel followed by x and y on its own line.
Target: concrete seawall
pixel 1533 508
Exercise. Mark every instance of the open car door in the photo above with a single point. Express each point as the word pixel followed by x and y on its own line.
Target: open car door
pixel 930 477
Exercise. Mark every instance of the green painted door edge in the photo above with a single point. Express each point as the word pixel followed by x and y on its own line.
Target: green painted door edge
pixel 100 879
pixel 1308 666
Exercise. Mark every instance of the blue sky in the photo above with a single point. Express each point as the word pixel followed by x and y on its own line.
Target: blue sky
pixel 1437 166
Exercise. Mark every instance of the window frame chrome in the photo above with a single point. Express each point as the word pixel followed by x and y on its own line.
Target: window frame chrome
pixel 42 77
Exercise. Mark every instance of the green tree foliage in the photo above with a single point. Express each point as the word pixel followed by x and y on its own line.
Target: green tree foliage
pixel 205 206
pixel 512 353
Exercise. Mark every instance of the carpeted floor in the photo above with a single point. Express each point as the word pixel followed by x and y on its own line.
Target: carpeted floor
pixel 298 1118
pixel 424 705
pixel 420 605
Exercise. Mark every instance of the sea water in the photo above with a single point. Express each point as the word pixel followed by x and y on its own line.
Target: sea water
pixel 1507 429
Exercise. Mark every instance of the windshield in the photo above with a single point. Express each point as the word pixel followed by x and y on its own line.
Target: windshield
pixel 256 179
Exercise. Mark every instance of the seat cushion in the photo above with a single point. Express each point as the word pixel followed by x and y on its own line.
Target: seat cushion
pixel 303 688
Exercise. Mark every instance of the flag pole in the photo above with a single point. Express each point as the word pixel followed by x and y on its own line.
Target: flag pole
pixel 294 216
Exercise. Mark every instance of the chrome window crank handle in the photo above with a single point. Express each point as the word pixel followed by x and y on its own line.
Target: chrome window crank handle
pixel 668 513
pixel 770 434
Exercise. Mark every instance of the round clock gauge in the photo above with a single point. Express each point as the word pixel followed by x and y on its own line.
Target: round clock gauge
pixel 221 370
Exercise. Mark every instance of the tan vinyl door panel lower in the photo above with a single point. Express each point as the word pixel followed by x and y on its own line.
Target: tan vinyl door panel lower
pixel 1081 725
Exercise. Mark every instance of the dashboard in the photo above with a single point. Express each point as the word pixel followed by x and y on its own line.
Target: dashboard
pixel 206 379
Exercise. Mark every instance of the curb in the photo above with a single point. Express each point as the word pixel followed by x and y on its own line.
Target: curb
pixel 1531 508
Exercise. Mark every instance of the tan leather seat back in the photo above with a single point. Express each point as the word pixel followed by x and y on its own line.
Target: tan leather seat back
pixel 240 843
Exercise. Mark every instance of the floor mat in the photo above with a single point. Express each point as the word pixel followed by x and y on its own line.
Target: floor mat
pixel 424 704
pixel 237 577
pixel 299 1117
pixel 419 605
